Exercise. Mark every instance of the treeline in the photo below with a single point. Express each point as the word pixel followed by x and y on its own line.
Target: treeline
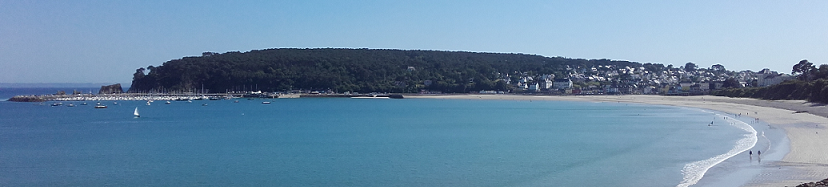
pixel 811 85
pixel 356 70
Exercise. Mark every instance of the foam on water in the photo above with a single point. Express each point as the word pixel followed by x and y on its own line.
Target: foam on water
pixel 693 172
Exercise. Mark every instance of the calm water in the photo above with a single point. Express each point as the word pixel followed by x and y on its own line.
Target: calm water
pixel 356 142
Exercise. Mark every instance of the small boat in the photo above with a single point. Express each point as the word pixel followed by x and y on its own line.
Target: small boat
pixel 237 101
pixel 57 104
pixel 71 105
pixel 115 103
pixel 148 103
pixel 168 102
pixel 266 102
pixel 136 113
pixel 83 103
pixel 205 104
pixel 100 106
pixel 189 101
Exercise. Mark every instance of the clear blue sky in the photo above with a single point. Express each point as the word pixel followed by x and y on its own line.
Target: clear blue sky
pixel 104 41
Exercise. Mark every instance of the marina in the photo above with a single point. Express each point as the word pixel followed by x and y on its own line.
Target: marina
pixel 140 97
pixel 180 97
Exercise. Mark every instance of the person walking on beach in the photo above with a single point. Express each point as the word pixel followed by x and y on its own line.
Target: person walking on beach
pixel 750 153
pixel 759 153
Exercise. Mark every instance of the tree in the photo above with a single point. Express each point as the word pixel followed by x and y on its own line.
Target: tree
pixel 360 70
pixel 690 67
pixel 718 68
pixel 139 74
pixel 731 83
pixel 821 72
pixel 803 68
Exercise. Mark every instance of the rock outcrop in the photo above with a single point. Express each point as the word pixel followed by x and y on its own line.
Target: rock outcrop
pixel 111 89
pixel 822 183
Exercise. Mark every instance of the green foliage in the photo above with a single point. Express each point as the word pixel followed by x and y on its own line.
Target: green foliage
pixel 803 68
pixel 731 83
pixel 361 70
pixel 690 67
pixel 813 91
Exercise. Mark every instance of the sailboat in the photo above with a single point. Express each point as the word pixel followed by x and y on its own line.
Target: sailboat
pixel 136 113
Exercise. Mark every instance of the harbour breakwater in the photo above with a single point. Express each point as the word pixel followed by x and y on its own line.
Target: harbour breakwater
pixel 177 97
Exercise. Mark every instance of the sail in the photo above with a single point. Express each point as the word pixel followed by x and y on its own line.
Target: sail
pixel 136 111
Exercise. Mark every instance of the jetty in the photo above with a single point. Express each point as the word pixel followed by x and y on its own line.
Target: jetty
pixel 178 97
pixel 137 97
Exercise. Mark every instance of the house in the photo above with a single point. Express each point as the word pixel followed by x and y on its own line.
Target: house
pixel 534 87
pixel 685 86
pixel 766 77
pixel 704 87
pixel 562 84
pixel 546 84
pixel 649 90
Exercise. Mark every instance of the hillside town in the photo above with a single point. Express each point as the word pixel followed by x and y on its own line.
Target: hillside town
pixel 609 79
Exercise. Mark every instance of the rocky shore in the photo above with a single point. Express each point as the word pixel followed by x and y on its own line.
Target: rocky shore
pixel 822 183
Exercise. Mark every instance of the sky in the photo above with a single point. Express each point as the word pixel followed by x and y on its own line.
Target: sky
pixel 105 41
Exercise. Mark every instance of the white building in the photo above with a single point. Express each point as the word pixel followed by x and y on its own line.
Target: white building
pixel 534 87
pixel 562 84
pixel 767 78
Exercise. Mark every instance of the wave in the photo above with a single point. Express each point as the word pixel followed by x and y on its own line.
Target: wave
pixel 693 172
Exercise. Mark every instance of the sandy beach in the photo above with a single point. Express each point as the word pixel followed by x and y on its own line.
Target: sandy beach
pixel 804 125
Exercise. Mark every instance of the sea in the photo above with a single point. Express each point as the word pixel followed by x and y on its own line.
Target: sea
pixel 361 142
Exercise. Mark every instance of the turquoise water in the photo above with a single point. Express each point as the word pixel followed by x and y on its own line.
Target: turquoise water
pixel 357 142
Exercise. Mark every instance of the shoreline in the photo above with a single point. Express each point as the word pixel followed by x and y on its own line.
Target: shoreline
pixel 800 125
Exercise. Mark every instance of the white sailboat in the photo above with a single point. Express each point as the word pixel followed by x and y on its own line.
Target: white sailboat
pixel 136 112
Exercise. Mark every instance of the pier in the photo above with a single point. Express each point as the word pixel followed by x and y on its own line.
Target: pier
pixel 138 97
pixel 178 97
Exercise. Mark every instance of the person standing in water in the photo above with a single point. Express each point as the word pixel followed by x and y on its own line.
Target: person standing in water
pixel 750 153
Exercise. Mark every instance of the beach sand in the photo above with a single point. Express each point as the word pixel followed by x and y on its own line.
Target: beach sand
pixel 804 125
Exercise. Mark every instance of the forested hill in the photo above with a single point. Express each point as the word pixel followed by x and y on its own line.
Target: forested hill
pixel 360 70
